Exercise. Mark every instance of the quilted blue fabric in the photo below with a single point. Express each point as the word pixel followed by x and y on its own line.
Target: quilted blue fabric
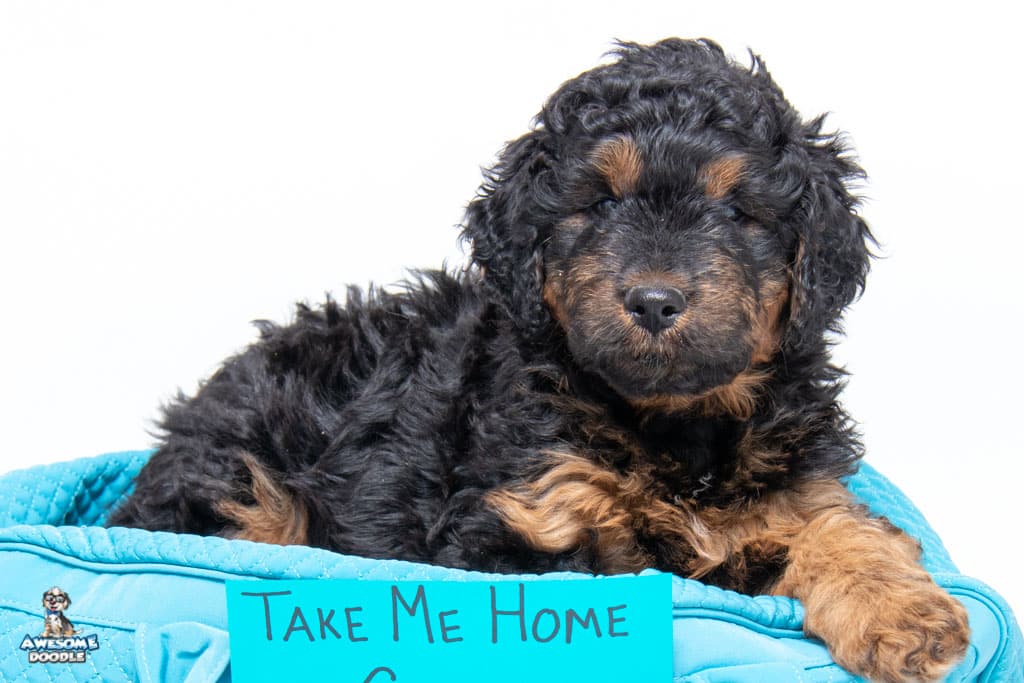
pixel 156 600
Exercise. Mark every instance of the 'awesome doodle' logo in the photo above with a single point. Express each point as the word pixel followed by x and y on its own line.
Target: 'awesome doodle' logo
pixel 60 641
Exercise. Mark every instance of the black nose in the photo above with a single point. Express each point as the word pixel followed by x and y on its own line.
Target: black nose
pixel 654 308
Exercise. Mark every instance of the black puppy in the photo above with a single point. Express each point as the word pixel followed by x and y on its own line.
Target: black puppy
pixel 633 373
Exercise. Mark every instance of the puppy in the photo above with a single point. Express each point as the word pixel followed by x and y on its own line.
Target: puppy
pixel 55 601
pixel 633 372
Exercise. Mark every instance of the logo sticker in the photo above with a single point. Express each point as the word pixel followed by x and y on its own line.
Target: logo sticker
pixel 60 641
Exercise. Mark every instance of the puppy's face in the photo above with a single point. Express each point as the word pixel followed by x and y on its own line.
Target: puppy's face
pixel 56 600
pixel 664 280
pixel 680 223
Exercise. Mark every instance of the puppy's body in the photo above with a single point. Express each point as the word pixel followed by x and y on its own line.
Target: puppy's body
pixel 386 420
pixel 389 424
pixel 633 374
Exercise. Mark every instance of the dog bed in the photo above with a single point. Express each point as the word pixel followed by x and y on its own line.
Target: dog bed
pixel 156 601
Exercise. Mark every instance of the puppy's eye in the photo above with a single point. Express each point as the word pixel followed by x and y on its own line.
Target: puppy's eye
pixel 736 214
pixel 606 203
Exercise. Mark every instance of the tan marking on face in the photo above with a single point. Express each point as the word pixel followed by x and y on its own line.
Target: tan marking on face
pixel 721 175
pixel 618 160
pixel 276 516
pixel 586 280
pixel 554 300
pixel 768 324
pixel 554 290
pixel 738 398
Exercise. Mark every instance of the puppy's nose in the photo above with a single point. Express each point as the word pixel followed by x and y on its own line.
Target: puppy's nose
pixel 654 308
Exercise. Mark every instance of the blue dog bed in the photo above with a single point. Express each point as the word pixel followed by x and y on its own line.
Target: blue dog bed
pixel 156 600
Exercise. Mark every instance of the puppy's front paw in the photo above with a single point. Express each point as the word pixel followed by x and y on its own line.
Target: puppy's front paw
pixel 915 633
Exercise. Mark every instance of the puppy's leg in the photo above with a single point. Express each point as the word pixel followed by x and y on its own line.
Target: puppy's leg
pixel 274 516
pixel 867 597
pixel 188 489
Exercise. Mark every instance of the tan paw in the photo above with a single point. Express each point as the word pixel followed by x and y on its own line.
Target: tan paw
pixel 915 634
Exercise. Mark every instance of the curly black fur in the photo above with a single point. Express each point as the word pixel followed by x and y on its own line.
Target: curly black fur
pixel 387 420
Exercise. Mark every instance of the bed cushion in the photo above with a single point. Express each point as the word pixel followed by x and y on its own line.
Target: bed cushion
pixel 155 601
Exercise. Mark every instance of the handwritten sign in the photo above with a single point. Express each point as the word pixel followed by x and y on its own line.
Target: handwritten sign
pixel 615 628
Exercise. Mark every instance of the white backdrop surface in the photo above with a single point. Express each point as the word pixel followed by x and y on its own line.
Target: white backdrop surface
pixel 171 171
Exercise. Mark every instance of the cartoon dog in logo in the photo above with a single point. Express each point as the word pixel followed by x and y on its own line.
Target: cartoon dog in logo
pixel 55 601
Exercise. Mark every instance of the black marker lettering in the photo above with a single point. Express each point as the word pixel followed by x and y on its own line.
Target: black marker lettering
pixel 297 618
pixel 554 630
pixel 589 619
pixel 325 624
pixel 380 670
pixel 612 620
pixel 445 628
pixel 521 613
pixel 353 625
pixel 421 596
pixel 266 607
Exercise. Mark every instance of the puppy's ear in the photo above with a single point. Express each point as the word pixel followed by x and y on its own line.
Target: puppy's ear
pixel 67 601
pixel 832 254
pixel 506 225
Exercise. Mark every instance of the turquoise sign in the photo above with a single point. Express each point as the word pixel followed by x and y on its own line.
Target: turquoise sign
pixel 352 631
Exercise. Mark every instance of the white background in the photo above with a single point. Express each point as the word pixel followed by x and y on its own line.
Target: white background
pixel 171 171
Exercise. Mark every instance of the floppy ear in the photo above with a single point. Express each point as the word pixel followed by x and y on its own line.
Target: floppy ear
pixel 67 600
pixel 506 225
pixel 832 254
